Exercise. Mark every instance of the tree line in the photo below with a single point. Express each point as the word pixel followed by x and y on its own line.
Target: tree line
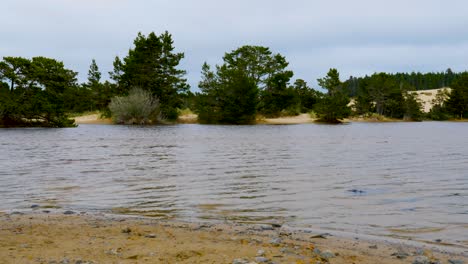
pixel 148 86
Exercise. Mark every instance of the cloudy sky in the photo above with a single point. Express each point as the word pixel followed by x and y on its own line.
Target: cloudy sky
pixel 358 37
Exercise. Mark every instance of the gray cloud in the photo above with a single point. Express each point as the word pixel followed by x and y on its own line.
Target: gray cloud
pixel 358 37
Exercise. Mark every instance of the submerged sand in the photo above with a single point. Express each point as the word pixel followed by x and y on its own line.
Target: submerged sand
pixel 83 238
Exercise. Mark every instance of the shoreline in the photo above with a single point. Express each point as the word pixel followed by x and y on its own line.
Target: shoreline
pixel 288 120
pixel 106 238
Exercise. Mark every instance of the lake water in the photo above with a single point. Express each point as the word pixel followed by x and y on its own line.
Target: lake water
pixel 406 180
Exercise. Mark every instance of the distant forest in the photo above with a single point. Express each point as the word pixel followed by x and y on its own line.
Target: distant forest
pixel 416 80
pixel 148 87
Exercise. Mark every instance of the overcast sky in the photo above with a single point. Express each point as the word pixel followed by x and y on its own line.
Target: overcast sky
pixel 358 37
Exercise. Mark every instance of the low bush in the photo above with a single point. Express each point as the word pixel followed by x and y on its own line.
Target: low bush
pixel 140 107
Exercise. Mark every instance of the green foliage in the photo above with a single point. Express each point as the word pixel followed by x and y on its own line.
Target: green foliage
pixel 279 99
pixel 230 96
pixel 139 107
pixel 232 93
pixel 457 103
pixel 34 92
pixel 412 107
pixel 419 81
pixel 308 97
pixel 439 110
pixel 334 105
pixel 152 65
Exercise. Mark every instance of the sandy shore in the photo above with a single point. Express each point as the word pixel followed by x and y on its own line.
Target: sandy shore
pixel 61 238
pixel 92 119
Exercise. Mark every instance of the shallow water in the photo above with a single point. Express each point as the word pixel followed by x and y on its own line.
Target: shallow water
pixel 407 180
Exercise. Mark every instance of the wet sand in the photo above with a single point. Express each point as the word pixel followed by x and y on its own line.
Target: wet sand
pixel 85 238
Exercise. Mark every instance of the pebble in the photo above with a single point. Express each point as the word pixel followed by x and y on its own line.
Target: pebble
pixel 126 230
pixel 327 254
pixel 150 236
pixel 68 212
pixel 34 206
pixel 456 261
pixel 400 255
pixel 260 253
pixel 240 261
pixel 262 260
pixel 276 241
pixel 266 227
pixel 373 247
pixel 421 260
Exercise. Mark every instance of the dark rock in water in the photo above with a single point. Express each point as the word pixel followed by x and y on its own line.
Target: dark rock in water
pixel 276 225
pixel 68 212
pixel 46 211
pixel 34 206
pixel 356 191
pixel 438 240
pixel 456 261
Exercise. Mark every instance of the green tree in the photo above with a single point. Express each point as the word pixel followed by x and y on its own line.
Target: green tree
pixel 457 103
pixel 334 105
pixel 36 90
pixel 152 65
pixel 412 107
pixel 308 97
pixel 230 94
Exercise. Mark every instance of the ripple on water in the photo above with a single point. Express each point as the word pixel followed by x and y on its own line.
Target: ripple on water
pixel 405 180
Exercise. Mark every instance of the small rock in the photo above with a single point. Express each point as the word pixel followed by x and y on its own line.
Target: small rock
pixel 240 261
pixel 400 255
pixel 418 252
pixel 150 236
pixel 266 227
pixel 327 254
pixel 456 261
pixel 373 247
pixel 276 241
pixel 34 206
pixel 65 261
pixel 260 253
pixel 126 230
pixel 262 260
pixel 46 211
pixel 68 212
pixel 276 225
pixel 324 235
pixel 438 240
pixel 421 260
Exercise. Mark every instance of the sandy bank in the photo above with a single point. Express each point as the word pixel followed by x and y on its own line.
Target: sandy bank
pixel 288 120
pixel 92 119
pixel 44 238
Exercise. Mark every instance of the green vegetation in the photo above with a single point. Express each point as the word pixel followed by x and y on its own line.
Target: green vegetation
pixel 32 92
pixel 152 65
pixel 252 81
pixel 139 107
pixel 457 104
pixel 334 104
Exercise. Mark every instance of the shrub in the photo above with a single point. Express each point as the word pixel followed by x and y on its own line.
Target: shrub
pixel 139 107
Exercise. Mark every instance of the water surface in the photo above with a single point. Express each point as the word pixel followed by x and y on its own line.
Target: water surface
pixel 406 180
